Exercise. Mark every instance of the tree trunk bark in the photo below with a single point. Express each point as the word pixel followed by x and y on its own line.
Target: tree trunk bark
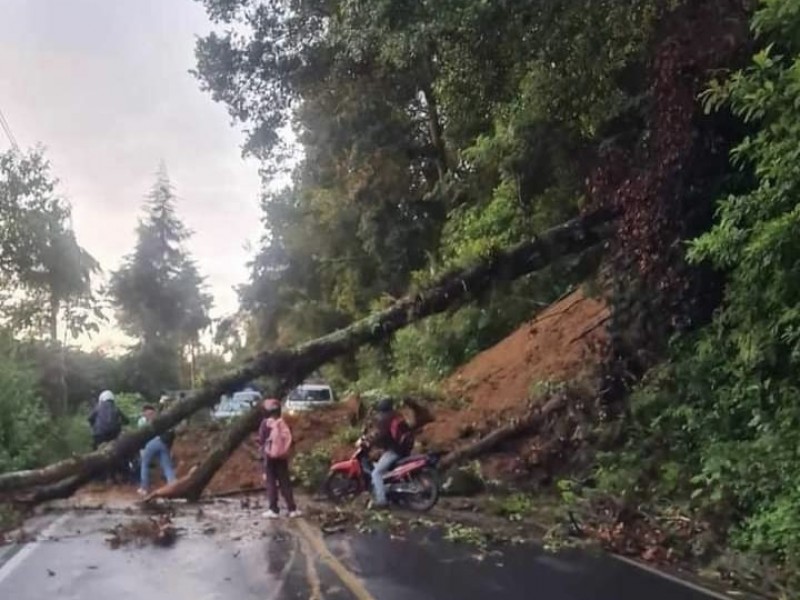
pixel 59 350
pixel 489 442
pixel 191 487
pixel 54 491
pixel 436 132
pixel 293 365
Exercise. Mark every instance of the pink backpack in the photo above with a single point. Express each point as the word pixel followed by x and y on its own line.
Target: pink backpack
pixel 279 443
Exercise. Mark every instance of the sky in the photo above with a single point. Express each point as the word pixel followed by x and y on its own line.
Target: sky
pixel 105 86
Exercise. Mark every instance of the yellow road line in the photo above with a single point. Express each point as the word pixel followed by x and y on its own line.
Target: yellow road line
pixel 284 573
pixel 314 583
pixel 352 582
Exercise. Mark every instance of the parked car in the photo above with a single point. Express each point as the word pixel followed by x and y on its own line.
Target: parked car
pixel 309 396
pixel 235 405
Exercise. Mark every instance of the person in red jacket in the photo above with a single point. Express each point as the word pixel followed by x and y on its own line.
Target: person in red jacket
pixel 392 435
pixel 272 432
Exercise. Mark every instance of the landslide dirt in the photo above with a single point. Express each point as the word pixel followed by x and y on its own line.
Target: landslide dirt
pixel 566 343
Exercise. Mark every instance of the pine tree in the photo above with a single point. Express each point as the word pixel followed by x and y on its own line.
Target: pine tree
pixel 159 292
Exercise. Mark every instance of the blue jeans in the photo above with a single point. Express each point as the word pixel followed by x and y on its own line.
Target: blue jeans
pixel 154 447
pixel 383 466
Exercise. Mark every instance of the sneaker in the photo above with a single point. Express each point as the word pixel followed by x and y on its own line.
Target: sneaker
pixel 142 492
pixel 295 514
pixel 270 514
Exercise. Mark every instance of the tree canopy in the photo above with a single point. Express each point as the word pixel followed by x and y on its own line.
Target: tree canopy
pixel 159 293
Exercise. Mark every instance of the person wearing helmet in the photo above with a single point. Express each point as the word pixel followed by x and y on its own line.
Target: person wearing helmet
pixel 392 435
pixel 275 442
pixel 106 420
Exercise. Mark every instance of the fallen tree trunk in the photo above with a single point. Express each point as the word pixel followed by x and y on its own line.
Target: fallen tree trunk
pixel 191 486
pixel 525 425
pixel 293 365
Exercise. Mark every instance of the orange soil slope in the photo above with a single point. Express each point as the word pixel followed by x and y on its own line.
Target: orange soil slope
pixel 567 341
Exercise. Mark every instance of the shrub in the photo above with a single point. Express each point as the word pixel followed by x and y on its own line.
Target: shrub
pixel 23 420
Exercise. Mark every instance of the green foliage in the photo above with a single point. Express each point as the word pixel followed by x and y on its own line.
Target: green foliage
pixel 10 517
pixel 159 294
pixel 46 274
pixel 23 420
pixel 131 406
pixel 310 468
pixel 459 533
pixel 346 435
pixel 431 136
pixel 65 436
pixel 513 507
pixel 718 425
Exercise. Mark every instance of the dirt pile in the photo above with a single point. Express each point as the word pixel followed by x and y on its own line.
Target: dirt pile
pixel 566 343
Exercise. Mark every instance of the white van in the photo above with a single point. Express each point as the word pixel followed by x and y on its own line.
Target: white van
pixel 235 405
pixel 309 396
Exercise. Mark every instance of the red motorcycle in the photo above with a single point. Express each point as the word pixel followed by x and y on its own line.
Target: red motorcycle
pixel 412 483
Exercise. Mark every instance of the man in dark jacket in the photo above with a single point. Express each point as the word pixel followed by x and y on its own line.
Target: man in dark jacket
pixel 106 420
pixel 392 435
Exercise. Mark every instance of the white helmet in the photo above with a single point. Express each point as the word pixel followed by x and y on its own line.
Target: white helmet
pixel 106 395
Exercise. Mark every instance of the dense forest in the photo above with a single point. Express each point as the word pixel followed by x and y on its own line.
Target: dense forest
pixel 435 135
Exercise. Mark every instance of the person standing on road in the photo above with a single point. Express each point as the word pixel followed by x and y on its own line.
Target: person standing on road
pixel 394 436
pixel 275 441
pixel 158 446
pixel 106 420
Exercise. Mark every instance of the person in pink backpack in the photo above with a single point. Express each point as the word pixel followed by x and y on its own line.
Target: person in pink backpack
pixel 275 441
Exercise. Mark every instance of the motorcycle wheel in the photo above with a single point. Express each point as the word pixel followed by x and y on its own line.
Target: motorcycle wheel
pixel 427 495
pixel 339 488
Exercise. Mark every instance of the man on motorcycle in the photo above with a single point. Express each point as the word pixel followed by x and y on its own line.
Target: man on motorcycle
pixel 393 435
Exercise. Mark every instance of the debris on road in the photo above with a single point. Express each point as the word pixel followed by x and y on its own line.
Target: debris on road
pixel 158 531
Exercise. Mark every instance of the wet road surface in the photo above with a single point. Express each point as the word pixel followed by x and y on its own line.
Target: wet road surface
pixel 286 560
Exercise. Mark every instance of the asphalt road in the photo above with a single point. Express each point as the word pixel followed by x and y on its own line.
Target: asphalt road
pixel 243 557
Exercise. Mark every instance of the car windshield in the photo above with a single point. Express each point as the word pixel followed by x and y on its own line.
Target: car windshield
pixel 310 395
pixel 237 402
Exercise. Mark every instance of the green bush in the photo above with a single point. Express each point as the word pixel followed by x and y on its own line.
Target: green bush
pixel 309 469
pixel 66 436
pixel 131 406
pixel 23 420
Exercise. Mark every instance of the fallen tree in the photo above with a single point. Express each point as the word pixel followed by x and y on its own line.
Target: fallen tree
pixel 292 365
pixel 516 428
pixel 191 486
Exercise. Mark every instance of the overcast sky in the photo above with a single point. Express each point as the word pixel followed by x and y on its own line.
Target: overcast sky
pixel 104 85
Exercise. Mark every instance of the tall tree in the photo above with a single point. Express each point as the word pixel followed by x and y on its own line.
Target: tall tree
pixel 46 274
pixel 433 132
pixel 159 292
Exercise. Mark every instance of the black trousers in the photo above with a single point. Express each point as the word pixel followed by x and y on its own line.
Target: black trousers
pixel 277 472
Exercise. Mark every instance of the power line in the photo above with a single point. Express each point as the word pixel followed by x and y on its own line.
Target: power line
pixel 7 129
